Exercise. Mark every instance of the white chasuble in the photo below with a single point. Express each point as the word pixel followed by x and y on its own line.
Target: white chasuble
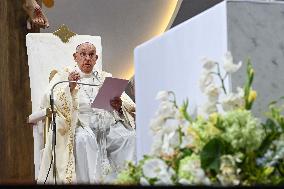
pixel 92 144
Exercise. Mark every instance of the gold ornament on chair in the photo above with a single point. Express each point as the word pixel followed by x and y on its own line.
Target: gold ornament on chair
pixel 64 33
pixel 48 3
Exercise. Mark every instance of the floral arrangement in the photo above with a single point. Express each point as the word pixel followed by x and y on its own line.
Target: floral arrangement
pixel 224 144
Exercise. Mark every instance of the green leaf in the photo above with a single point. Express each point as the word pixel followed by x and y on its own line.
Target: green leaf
pixel 186 152
pixel 267 142
pixel 270 125
pixel 272 103
pixel 280 168
pixel 268 170
pixel 183 111
pixel 211 153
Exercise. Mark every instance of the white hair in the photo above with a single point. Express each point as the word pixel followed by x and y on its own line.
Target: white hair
pixel 78 47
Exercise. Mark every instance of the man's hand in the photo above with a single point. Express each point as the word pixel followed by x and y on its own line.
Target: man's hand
pixel 73 76
pixel 116 104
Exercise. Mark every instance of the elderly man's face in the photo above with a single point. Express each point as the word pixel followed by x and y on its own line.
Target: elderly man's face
pixel 86 57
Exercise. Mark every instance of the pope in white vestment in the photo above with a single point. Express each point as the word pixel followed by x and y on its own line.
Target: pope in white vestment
pixel 92 145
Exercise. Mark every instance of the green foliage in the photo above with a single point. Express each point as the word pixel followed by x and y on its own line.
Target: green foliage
pixel 211 153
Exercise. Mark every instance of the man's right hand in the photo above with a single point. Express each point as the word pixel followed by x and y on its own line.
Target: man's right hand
pixel 73 76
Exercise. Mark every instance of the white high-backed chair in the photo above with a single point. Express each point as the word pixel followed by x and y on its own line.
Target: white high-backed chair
pixel 47 52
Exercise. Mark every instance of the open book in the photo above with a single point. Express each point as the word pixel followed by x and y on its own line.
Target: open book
pixel 112 87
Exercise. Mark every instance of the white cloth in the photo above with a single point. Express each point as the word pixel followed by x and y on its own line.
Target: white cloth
pixel 98 132
pixel 102 140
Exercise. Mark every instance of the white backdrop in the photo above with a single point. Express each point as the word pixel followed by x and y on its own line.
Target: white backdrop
pixel 47 52
pixel 172 62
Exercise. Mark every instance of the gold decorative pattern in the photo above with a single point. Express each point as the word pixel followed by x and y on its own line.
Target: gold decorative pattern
pixel 64 33
pixel 65 107
pixel 52 73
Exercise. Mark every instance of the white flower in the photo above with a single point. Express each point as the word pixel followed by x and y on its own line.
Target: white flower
pixel 144 182
pixel 228 171
pixel 229 65
pixel 156 147
pixel 166 177
pixel 170 142
pixel 157 124
pixel 166 109
pixel 207 109
pixel 233 100
pixel 163 95
pixel 187 141
pixel 190 171
pixel 212 92
pixel 157 168
pixel 171 125
pixel 208 64
pixel 167 139
pixel 206 79
pixel 152 168
pixel 184 181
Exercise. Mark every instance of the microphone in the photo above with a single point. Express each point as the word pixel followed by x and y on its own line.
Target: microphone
pixel 67 81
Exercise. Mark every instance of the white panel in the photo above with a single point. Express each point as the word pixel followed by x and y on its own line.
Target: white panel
pixel 172 62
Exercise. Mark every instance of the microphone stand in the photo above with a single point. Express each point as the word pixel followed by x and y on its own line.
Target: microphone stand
pixel 54 121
